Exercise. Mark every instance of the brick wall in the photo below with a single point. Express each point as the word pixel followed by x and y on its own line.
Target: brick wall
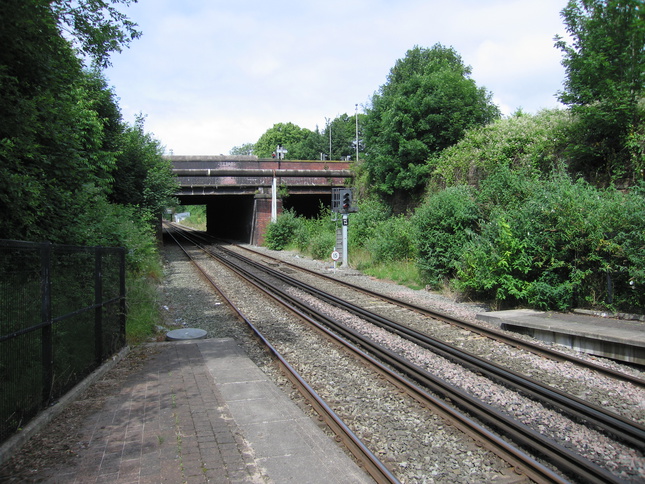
pixel 262 217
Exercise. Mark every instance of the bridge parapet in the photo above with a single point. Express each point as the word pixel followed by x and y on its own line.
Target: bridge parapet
pixel 239 175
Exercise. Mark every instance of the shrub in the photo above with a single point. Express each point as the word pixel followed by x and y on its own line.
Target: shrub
pixel 524 141
pixel 442 226
pixel 505 189
pixel 280 233
pixel 392 240
pixel 321 244
pixel 568 244
pixel 365 222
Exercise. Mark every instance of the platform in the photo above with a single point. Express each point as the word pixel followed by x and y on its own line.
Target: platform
pixel 196 411
pixel 621 340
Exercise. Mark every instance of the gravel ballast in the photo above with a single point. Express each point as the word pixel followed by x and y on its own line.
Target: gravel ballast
pixel 413 459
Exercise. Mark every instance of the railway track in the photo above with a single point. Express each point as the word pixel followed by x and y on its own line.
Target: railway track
pixel 493 334
pixel 417 381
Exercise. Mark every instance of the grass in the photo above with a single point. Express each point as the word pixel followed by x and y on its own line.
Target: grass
pixel 401 272
pixel 144 305
pixel 405 273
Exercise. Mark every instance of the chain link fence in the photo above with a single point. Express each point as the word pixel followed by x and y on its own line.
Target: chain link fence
pixel 62 313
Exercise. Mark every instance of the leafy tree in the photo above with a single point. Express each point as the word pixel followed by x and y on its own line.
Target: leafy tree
pixel 95 26
pixel 244 149
pixel 142 177
pixel 63 145
pixel 286 134
pixel 427 104
pixel 50 135
pixel 605 80
pixel 343 136
pixel 309 147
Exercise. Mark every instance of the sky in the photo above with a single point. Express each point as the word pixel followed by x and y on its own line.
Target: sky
pixel 212 74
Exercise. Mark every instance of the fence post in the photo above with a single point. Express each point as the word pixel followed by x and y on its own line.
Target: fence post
pixel 98 303
pixel 46 317
pixel 122 295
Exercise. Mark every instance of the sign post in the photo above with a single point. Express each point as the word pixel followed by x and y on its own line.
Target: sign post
pixel 335 256
pixel 280 152
pixel 274 199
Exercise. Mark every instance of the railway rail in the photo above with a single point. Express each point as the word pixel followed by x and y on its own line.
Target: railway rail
pixel 493 334
pixel 416 381
pixel 366 459
pixel 621 427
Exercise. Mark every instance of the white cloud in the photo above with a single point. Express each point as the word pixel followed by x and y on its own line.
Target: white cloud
pixel 212 74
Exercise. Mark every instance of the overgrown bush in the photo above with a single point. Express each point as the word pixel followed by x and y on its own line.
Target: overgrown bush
pixel 280 233
pixel 522 142
pixel 505 189
pixel 365 222
pixel 568 244
pixel 322 244
pixel 442 226
pixel 114 225
pixel 392 240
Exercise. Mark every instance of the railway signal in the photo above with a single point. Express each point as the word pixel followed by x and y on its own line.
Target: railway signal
pixel 343 200
pixel 346 201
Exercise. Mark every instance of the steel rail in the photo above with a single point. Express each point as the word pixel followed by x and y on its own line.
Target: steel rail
pixel 483 331
pixel 562 457
pixel 366 459
pixel 621 427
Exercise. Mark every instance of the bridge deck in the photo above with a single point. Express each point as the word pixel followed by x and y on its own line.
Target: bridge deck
pixel 245 175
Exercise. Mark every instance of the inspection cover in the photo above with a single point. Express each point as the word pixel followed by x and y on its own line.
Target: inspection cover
pixel 185 333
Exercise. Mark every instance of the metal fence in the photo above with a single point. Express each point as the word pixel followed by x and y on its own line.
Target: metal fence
pixel 62 313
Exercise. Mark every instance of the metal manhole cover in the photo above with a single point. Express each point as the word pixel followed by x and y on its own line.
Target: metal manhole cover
pixel 185 333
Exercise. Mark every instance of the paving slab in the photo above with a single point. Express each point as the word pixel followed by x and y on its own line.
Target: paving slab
pixel 200 411
pixel 285 441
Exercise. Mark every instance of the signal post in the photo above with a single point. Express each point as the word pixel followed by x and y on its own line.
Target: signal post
pixel 343 202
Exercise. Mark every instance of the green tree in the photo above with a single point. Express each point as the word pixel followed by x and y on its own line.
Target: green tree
pixel 288 135
pixel 605 80
pixel 343 136
pixel 309 147
pixel 50 134
pixel 63 145
pixel 142 177
pixel 244 149
pixel 427 104
pixel 95 26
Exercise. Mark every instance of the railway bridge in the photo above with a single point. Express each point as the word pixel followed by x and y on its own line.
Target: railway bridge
pixel 243 193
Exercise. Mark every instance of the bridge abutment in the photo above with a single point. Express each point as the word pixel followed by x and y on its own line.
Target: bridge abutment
pixel 262 216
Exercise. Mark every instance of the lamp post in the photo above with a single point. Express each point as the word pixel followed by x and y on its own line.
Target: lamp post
pixel 357 132
pixel 329 129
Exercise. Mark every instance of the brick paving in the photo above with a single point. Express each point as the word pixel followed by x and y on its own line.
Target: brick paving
pixel 168 423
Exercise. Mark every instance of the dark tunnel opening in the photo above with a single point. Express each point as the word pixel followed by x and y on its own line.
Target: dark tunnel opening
pixel 231 217
pixel 307 206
